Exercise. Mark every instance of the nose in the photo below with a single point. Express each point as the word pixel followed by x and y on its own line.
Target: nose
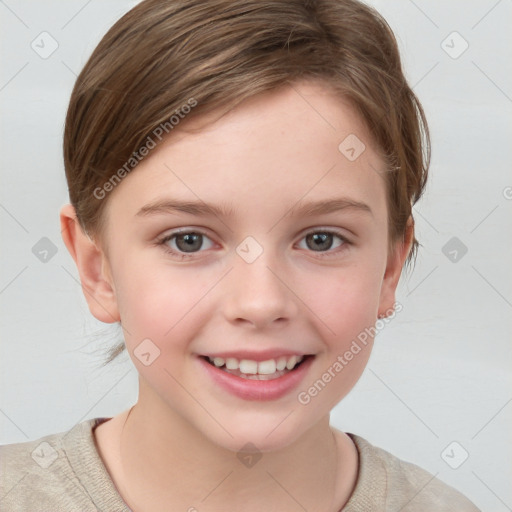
pixel 258 295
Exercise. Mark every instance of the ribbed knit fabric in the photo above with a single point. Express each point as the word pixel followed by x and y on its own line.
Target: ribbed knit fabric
pixel 64 473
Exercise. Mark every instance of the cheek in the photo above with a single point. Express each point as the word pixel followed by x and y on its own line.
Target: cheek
pixel 346 301
pixel 163 301
pixel 156 302
pixel 346 307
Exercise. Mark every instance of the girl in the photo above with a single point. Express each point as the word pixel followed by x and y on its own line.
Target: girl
pixel 241 177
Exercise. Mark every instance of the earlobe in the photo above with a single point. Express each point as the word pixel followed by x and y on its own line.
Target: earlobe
pixel 393 271
pixel 91 263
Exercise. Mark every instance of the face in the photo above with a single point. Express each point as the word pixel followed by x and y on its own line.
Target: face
pixel 267 275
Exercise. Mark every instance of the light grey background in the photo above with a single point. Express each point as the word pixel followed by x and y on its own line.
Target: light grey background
pixel 440 372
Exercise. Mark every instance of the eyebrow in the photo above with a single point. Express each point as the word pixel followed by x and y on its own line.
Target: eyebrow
pixel 200 208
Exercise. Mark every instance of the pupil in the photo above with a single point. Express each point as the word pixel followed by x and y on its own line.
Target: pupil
pixel 321 238
pixel 191 242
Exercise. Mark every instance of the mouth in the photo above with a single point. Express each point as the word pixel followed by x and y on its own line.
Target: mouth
pixel 249 369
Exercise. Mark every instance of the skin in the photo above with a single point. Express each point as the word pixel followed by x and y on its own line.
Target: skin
pixel 179 442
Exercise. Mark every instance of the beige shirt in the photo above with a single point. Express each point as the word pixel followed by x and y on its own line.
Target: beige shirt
pixel 64 472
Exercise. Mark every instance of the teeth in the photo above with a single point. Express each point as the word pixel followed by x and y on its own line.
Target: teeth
pixel 250 367
pixel 232 363
pixel 247 366
pixel 291 362
pixel 267 367
pixel 281 363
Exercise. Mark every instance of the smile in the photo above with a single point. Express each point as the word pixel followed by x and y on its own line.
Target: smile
pixel 257 370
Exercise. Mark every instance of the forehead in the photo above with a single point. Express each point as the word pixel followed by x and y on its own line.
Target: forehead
pixel 297 114
pixel 300 141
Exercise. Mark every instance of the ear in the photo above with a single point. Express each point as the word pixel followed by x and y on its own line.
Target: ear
pixel 92 266
pixel 394 268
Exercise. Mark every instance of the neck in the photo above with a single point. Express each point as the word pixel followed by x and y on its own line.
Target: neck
pixel 169 465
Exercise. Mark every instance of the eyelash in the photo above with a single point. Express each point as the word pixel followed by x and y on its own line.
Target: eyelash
pixel 184 256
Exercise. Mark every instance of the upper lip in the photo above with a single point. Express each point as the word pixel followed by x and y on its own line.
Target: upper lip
pixel 263 355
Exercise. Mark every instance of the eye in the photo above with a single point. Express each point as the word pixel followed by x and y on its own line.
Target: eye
pixel 322 241
pixel 185 243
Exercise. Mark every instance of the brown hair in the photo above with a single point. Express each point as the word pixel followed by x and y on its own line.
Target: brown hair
pixel 164 55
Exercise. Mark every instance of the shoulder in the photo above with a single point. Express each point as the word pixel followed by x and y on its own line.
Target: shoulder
pixel 393 484
pixel 40 474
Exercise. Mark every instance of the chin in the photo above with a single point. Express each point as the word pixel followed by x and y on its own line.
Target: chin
pixel 261 432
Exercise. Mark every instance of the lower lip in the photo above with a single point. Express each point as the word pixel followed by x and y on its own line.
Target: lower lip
pixel 262 390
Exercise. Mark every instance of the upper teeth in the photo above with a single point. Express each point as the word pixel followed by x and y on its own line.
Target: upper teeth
pixel 262 367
